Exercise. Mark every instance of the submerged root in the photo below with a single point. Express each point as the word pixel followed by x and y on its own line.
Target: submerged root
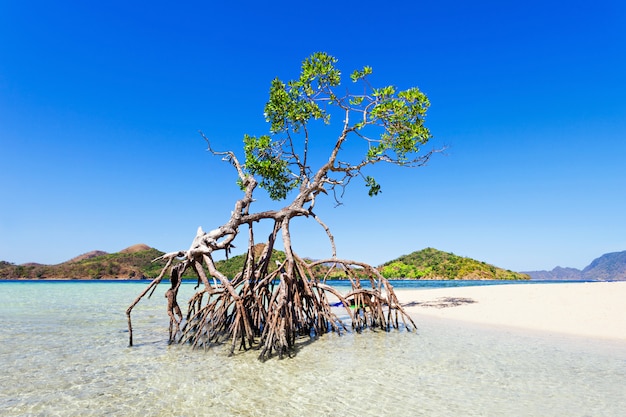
pixel 272 313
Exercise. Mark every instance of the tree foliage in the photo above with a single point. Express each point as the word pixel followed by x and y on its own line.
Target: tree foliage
pixel 389 122
pixel 270 304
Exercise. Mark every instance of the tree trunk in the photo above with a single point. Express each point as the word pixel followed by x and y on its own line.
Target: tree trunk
pixel 269 307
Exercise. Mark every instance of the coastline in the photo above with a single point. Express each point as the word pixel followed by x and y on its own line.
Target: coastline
pixel 581 309
pixel 588 309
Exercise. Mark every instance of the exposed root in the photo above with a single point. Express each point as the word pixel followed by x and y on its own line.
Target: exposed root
pixel 271 312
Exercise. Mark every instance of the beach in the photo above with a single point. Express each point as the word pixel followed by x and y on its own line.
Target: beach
pixel 587 309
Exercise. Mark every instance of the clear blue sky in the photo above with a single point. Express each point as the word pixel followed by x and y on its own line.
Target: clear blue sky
pixel 100 104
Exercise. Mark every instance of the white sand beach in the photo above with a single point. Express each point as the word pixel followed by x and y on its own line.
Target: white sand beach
pixel 595 309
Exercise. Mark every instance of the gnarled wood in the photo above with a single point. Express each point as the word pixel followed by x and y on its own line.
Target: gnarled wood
pixel 269 307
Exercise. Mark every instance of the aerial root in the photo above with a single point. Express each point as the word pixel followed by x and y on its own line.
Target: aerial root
pixel 271 313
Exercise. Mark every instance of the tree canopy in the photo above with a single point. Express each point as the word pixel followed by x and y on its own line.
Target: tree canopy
pixel 388 121
pixel 269 305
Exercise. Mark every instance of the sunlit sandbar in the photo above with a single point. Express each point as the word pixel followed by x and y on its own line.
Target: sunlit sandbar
pixel 588 309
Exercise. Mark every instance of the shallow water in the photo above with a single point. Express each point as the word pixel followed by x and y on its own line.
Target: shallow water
pixel 63 352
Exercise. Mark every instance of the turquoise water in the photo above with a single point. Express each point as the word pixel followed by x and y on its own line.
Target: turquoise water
pixel 63 352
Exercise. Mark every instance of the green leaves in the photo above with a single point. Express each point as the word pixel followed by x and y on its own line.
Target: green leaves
pixel 264 158
pixel 402 117
pixel 384 93
pixel 374 187
pixel 359 75
pixel 388 121
pixel 375 151
pixel 278 107
pixel 356 100
pixel 321 67
pixel 292 105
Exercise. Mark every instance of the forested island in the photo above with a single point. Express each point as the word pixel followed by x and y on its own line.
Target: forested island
pixel 431 263
pixel 136 262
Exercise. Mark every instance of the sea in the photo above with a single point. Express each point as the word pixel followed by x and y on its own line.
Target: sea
pixel 64 352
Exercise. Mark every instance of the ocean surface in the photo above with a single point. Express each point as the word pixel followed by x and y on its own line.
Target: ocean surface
pixel 64 352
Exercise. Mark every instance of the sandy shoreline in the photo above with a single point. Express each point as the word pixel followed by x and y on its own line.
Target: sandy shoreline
pixel 596 310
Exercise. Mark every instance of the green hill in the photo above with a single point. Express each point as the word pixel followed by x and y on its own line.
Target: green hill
pixel 234 264
pixel 134 262
pixel 431 263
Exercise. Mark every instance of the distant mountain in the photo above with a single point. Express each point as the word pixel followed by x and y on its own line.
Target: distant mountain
pixel 431 263
pixel 608 267
pixel 134 262
pixel 558 273
pixel 425 264
pixel 140 247
pixel 88 255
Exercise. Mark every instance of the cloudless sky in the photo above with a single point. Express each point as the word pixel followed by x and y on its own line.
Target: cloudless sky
pixel 101 103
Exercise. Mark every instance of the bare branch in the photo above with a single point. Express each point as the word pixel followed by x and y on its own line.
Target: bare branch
pixel 269 304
